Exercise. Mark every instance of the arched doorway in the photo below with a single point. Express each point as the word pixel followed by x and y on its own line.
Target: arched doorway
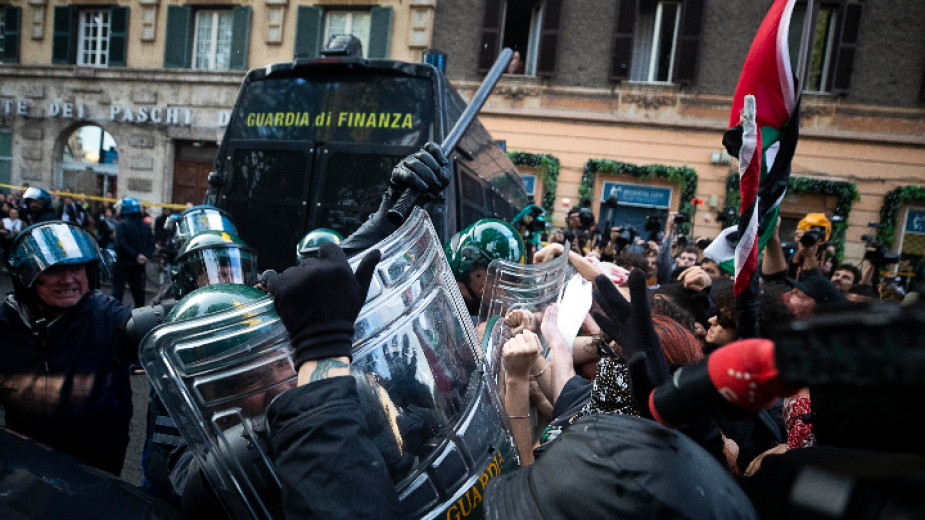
pixel 89 161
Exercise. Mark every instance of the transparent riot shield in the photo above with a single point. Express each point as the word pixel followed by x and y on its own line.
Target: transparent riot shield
pixel 511 286
pixel 424 389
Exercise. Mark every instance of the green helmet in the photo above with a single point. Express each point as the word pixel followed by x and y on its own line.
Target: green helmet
pixel 308 246
pixel 211 299
pixel 213 257
pixel 222 297
pixel 486 240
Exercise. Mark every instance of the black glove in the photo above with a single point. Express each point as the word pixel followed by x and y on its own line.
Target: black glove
pixel 630 325
pixel 425 171
pixel 319 300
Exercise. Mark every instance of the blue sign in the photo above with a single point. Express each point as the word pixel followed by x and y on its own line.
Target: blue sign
pixel 637 195
pixel 915 222
pixel 529 183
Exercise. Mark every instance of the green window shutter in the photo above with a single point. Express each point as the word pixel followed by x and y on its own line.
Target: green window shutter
pixel 6 152
pixel 843 54
pixel 240 37
pixel 380 32
pixel 178 44
pixel 64 36
pixel 491 34
pixel 307 32
pixel 621 55
pixel 688 50
pixel 11 17
pixel 118 35
pixel 549 38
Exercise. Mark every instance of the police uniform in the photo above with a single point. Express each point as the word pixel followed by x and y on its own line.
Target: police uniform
pixel 63 385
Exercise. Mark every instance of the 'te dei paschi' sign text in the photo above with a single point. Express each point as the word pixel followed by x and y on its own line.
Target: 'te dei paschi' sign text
pixel 156 115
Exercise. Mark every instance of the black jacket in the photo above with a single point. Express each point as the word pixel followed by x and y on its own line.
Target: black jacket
pixel 133 237
pixel 66 388
pixel 327 461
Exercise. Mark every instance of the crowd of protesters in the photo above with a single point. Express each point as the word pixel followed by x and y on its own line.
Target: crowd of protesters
pixel 582 416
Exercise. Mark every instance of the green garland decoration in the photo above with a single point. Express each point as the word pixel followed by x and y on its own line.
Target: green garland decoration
pixel 546 165
pixel 683 177
pixel 889 213
pixel 846 192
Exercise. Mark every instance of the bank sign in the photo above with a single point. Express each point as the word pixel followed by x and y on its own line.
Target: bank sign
pixel 144 114
pixel 638 196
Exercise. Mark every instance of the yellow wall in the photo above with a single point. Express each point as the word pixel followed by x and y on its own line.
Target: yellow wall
pixel 150 54
pixel 875 168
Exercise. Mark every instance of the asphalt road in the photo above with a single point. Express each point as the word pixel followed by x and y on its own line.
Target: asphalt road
pixel 131 470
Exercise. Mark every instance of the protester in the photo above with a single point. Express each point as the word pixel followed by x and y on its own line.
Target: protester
pixel 11 227
pixel 845 276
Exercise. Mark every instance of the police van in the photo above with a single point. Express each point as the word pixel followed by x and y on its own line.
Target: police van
pixel 312 143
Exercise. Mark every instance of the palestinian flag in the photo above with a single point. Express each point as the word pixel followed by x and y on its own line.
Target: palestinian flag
pixel 763 177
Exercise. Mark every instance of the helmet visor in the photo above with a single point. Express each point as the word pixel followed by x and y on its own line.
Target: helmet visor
pixel 48 245
pixel 192 223
pixel 227 265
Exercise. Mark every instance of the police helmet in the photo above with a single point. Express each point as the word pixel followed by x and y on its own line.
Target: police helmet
pixel 212 299
pixel 48 244
pixel 485 240
pixel 213 257
pixel 129 206
pixel 311 242
pixel 37 194
pixel 203 218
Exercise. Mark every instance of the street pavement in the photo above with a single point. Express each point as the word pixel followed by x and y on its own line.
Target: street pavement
pixel 131 470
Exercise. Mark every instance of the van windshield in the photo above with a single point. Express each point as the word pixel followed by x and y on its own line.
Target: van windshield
pixel 380 109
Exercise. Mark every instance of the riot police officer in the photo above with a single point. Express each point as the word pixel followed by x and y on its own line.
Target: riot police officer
pixel 134 245
pixel 38 206
pixel 60 380
pixel 212 257
pixel 472 249
pixel 312 241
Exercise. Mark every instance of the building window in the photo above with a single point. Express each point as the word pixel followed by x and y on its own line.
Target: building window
pixel 9 33
pixel 207 39
pixel 833 40
pixel 528 27
pixel 212 44
pixel 315 26
pixel 656 41
pixel 90 37
pixel 93 38
pixel 348 22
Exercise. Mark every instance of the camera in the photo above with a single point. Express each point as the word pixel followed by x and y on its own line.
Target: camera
pixel 584 215
pixel 625 236
pixel 815 235
pixel 682 218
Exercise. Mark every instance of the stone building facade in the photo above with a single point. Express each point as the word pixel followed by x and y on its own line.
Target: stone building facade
pixel 650 82
pixel 132 97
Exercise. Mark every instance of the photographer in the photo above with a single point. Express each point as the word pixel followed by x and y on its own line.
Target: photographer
pixel 813 232
pixel 579 222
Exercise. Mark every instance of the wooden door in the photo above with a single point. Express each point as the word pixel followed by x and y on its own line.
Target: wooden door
pixel 190 181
